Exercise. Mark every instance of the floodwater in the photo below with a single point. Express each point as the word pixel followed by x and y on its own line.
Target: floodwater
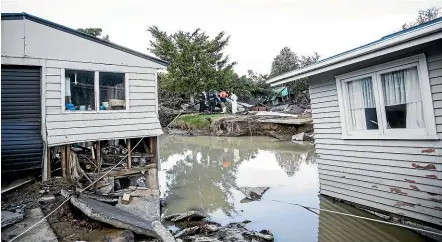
pixel 204 173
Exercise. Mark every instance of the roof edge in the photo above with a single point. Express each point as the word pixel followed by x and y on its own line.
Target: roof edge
pixel 20 16
pixel 383 43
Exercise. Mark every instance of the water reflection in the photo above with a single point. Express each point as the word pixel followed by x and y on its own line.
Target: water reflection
pixel 203 173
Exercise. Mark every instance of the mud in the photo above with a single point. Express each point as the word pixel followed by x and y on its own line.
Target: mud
pixel 246 125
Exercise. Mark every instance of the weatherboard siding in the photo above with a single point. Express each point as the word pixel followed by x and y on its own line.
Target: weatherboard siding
pixel 65 127
pixel 397 176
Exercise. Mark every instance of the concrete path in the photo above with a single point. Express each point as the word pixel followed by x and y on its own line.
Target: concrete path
pixel 42 232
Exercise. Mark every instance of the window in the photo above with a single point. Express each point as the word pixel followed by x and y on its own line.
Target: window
pixel 387 101
pixel 79 90
pixel 112 91
pixel 94 91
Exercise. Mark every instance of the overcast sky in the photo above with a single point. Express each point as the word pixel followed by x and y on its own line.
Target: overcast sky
pixel 259 29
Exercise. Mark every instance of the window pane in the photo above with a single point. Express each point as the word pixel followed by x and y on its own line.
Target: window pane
pixel 403 101
pixel 79 90
pixel 362 105
pixel 112 91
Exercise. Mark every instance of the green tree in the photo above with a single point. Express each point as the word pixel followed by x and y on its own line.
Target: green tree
pixel 96 32
pixel 196 61
pixel 286 61
pixel 423 16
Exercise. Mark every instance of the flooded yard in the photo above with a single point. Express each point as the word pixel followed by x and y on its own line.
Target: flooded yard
pixel 204 174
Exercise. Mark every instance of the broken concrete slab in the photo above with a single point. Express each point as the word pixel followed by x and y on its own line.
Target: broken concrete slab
pixel 164 234
pixel 114 216
pixel 9 218
pixel 143 203
pixel 253 193
pixel 190 215
pixel 41 232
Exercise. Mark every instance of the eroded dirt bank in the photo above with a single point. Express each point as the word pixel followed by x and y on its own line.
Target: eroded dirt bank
pixel 282 128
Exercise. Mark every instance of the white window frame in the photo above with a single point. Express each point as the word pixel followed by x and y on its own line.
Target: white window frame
pixel 96 92
pixel 418 61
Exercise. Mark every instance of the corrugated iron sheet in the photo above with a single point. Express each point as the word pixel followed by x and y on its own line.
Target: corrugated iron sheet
pixel 22 145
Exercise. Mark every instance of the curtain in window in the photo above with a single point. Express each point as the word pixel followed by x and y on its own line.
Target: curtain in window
pixel 360 94
pixel 402 87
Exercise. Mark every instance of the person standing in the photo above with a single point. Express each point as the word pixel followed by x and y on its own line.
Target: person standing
pixel 212 99
pixel 202 101
pixel 234 99
pixel 223 99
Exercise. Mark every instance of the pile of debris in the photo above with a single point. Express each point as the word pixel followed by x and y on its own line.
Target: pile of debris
pixel 195 226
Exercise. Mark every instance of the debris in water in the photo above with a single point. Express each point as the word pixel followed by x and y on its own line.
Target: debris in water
pixel 190 215
pixel 230 232
pixel 254 193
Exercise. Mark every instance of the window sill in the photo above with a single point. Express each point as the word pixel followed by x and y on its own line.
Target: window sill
pixel 390 137
pixel 69 112
pixel 114 111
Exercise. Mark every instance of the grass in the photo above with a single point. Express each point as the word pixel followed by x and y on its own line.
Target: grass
pixel 197 121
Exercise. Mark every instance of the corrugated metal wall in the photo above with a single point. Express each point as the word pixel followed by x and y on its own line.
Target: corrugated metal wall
pixel 398 176
pixel 21 119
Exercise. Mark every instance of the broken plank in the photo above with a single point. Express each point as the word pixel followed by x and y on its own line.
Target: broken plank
pixel 129 154
pixel 123 172
pixel 16 184
pixel 63 160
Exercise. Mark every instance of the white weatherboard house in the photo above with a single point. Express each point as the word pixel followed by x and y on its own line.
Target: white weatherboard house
pixel 377 114
pixel 60 87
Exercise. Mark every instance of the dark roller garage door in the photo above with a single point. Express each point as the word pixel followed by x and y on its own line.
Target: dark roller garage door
pixel 22 150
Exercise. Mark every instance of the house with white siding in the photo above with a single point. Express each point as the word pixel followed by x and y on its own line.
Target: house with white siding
pixel 377 114
pixel 61 87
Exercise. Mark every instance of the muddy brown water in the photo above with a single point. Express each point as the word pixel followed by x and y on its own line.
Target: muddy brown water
pixel 203 173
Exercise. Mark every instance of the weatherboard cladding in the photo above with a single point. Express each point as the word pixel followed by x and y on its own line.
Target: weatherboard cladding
pixel 20 16
pixel 337 228
pixel 398 176
pixel 139 120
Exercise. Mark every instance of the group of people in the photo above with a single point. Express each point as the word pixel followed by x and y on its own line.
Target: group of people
pixel 210 100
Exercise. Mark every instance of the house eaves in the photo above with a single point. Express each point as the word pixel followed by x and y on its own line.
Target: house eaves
pixel 20 16
pixel 417 35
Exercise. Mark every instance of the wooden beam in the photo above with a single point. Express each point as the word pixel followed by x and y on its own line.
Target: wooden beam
pixel 153 148
pixel 146 148
pixel 122 172
pixel 68 160
pixel 129 155
pixel 63 160
pixel 48 163
pixel 98 146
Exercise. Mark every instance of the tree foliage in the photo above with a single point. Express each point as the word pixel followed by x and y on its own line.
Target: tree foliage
pixel 423 16
pixel 196 61
pixel 96 32
pixel 286 61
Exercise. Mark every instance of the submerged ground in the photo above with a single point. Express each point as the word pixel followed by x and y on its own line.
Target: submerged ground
pixel 204 173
